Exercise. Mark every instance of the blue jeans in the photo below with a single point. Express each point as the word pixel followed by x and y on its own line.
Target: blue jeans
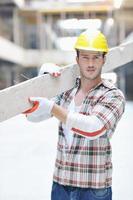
pixel 60 192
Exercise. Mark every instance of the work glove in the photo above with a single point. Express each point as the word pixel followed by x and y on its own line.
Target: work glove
pixel 41 109
pixel 50 68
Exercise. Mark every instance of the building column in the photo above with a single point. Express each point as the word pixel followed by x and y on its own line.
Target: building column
pixel 16 27
pixel 40 32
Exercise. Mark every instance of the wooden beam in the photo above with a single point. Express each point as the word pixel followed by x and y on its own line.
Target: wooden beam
pixel 14 100
pixel 69 9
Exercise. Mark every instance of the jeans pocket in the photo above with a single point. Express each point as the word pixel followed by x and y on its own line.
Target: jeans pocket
pixel 100 193
pixel 54 186
pixel 58 192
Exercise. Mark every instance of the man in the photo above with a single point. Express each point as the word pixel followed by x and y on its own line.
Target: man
pixel 88 114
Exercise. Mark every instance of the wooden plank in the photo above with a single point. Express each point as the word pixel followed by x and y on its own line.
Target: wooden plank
pixel 14 100
pixel 119 56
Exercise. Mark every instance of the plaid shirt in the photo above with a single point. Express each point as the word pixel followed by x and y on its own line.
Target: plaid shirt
pixel 87 163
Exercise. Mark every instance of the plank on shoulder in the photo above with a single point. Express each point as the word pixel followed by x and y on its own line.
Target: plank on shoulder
pixel 14 100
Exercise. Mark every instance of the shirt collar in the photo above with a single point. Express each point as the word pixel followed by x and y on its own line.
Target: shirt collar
pixel 105 82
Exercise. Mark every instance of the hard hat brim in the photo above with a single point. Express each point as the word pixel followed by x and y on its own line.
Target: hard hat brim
pixel 91 49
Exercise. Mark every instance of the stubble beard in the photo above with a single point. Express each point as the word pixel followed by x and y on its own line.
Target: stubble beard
pixel 91 77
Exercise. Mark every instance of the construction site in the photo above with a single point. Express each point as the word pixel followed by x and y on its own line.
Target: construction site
pixel 34 32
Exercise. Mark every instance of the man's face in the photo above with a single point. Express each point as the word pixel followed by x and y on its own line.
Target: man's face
pixel 90 64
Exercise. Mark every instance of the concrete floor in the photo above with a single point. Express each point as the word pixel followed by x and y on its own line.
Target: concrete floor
pixel 28 150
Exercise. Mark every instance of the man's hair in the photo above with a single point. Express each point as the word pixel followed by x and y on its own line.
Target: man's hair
pixel 77 52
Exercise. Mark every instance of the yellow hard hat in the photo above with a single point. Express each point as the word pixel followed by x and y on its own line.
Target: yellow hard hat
pixel 92 40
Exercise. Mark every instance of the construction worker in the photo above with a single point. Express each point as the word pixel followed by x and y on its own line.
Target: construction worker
pixel 88 114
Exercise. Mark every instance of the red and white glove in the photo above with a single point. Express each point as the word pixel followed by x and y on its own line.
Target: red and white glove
pixel 41 109
pixel 50 68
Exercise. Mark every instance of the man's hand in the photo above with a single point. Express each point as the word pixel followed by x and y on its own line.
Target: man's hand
pixel 40 110
pixel 50 68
